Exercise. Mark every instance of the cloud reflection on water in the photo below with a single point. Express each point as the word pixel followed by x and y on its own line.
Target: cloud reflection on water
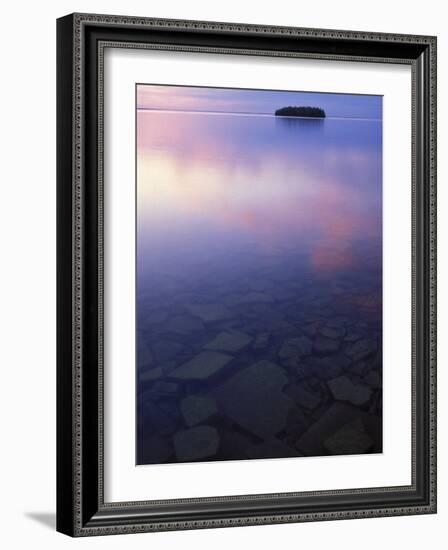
pixel 262 180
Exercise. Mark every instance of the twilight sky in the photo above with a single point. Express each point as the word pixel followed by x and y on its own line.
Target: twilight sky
pixel 255 101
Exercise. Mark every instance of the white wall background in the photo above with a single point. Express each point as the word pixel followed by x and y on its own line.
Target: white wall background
pixel 27 275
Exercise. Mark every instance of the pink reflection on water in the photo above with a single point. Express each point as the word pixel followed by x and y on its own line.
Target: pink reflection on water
pixel 329 256
pixel 257 181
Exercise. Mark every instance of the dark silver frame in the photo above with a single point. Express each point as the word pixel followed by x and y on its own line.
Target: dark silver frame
pixel 81 40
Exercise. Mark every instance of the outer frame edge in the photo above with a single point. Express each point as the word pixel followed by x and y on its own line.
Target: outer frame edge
pixel 64 490
pixel 223 26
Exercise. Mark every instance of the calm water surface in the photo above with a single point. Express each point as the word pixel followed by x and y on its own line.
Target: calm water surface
pixel 258 286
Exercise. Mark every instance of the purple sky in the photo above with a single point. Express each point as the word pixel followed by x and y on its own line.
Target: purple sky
pixel 254 101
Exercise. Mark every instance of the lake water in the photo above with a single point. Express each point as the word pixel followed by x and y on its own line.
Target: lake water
pixel 259 286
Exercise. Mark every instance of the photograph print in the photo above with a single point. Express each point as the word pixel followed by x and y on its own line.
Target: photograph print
pixel 258 274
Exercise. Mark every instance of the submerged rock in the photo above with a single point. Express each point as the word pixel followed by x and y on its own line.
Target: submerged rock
pixel 195 409
pixel 326 367
pixel 337 322
pixel 298 422
pixel 373 379
pixel 303 397
pixel 162 388
pixel 196 443
pixel 254 399
pixel 231 341
pixel 343 389
pixel 163 415
pixel 233 444
pixel 334 333
pixel 211 312
pixel 167 349
pixel 352 337
pixel 311 329
pixel 358 368
pixel 361 349
pixel 144 356
pixel 311 443
pixel 295 366
pixel 272 448
pixel 350 439
pixel 324 345
pixel 201 367
pixel 282 328
pixel 261 341
pixel 295 347
pixel 150 375
pixel 154 450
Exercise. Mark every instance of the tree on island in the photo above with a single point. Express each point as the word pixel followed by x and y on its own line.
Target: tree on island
pixel 312 112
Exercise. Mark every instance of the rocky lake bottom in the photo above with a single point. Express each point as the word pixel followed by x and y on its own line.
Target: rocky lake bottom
pixel 269 361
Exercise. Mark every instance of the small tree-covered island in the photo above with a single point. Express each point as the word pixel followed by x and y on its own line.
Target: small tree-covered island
pixel 312 112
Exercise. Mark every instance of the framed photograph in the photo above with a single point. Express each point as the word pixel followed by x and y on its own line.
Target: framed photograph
pixel 246 274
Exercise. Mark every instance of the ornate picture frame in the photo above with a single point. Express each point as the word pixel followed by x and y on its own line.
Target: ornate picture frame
pixel 81 506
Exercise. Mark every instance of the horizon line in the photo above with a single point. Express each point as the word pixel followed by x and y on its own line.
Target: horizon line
pixel 242 113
